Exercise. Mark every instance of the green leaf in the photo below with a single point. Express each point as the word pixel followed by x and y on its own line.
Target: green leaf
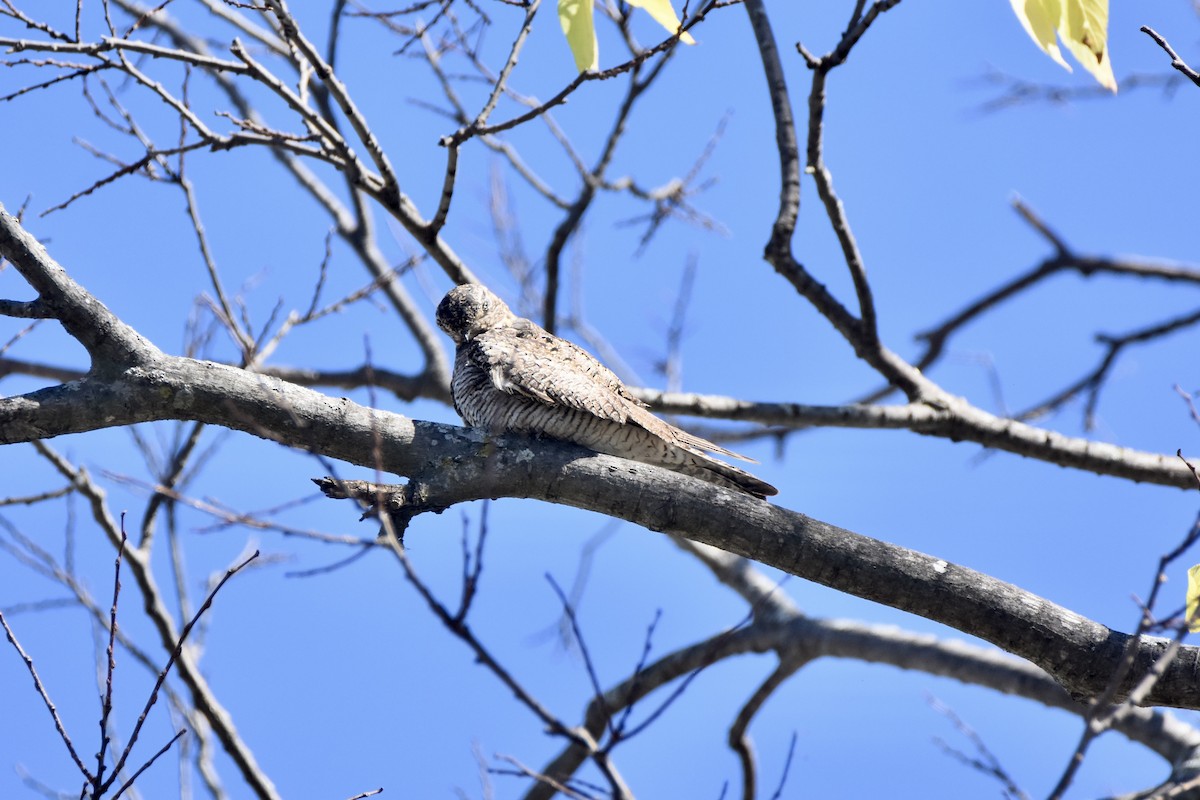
pixel 575 16
pixel 1082 25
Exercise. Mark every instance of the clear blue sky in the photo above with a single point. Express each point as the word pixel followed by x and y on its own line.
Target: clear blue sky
pixel 343 682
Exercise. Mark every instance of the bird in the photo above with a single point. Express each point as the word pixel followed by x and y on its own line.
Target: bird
pixel 513 376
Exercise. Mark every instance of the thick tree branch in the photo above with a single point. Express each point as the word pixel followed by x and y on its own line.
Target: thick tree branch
pixel 134 382
pixel 449 465
pixel 800 637
pixel 129 380
pixel 111 343
pixel 959 423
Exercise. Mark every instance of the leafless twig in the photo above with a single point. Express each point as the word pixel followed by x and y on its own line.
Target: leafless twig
pixel 1176 62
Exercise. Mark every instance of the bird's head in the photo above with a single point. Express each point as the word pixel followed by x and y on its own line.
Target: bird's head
pixel 470 309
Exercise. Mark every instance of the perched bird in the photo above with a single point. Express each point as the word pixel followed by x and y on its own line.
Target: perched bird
pixel 511 375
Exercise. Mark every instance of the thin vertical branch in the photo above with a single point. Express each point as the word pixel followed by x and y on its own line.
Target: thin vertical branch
pixel 175 654
pixel 110 668
pixel 785 128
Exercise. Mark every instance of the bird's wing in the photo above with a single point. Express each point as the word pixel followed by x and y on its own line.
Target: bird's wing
pixel 680 437
pixel 524 359
pixel 528 361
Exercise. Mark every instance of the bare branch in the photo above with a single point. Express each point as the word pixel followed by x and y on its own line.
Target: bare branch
pixel 111 44
pixel 160 617
pixel 739 740
pixel 785 128
pixel 107 339
pixel 29 500
pixel 960 421
pixel 1064 259
pixel 175 656
pixel 986 762
pixel 821 174
pixel 41 690
pixel 1176 62
pixel 149 761
pixel 1093 382
pixel 98 783
pixel 464 633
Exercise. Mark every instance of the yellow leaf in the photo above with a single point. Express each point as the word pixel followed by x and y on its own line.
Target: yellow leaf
pixel 1040 20
pixel 1081 24
pixel 1084 31
pixel 575 16
pixel 1193 599
pixel 664 15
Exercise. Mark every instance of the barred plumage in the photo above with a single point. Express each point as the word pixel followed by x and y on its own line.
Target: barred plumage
pixel 511 375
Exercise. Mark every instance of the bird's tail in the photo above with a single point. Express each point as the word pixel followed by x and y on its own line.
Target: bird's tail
pixel 702 464
pixel 722 474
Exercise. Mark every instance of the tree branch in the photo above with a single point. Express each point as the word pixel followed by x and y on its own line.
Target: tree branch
pixel 1176 62
pixel 111 343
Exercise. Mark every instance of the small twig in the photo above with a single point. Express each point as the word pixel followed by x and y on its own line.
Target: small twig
pixel 240 336
pixel 336 565
pixel 171 478
pixel 787 766
pixel 79 72
pixel 987 762
pixel 162 675
pixel 589 664
pixel 1190 465
pixel 460 136
pixel 715 644
pixel 1016 91
pixel 41 690
pixel 472 568
pixel 672 363
pixel 110 666
pixel 31 499
pixel 292 34
pixel 541 778
pixel 1064 259
pixel 391 535
pixel 129 169
pixel 368 793
pixel 1093 383
pixel 498 87
pixel 229 517
pixel 1176 62
pixel 867 327
pixel 1191 404
pixel 639 670
pixel 1038 224
pixel 150 761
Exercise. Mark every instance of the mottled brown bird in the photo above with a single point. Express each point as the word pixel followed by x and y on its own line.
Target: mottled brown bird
pixel 511 375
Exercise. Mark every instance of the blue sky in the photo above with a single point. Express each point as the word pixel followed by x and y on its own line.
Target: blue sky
pixel 343 682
